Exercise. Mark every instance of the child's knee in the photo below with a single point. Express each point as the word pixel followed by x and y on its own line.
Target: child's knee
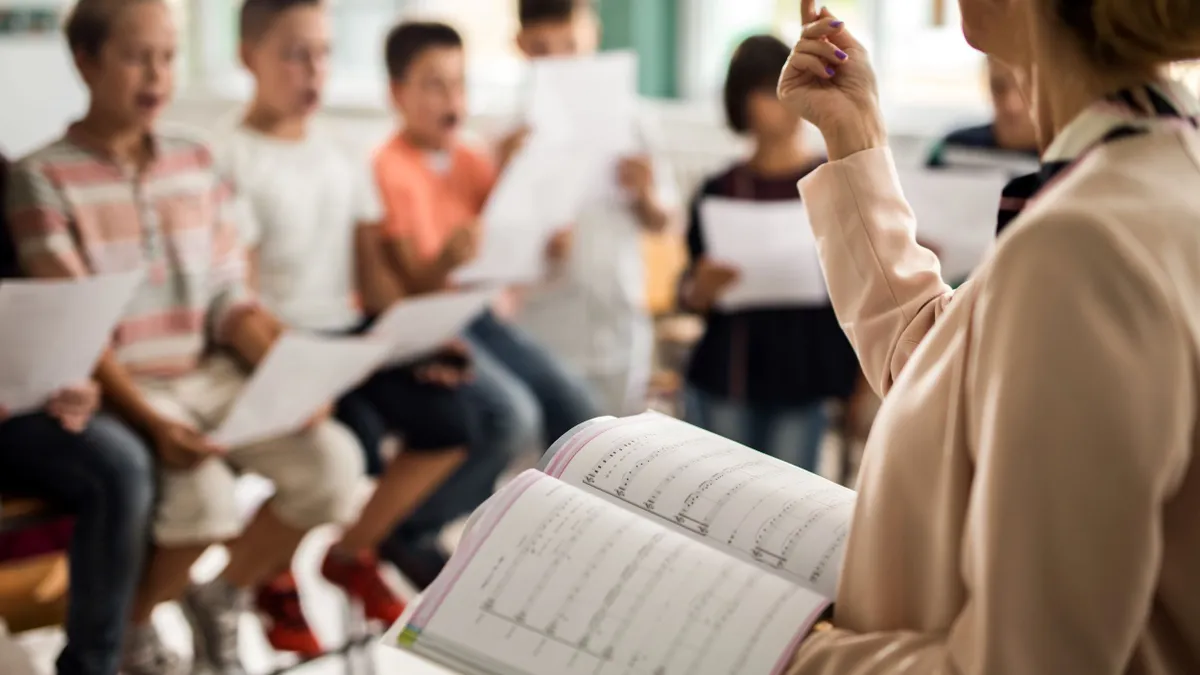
pixel 318 477
pixel 198 507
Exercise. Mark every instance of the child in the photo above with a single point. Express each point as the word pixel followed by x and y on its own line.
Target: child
pixel 761 377
pixel 434 188
pixel 308 205
pixel 596 317
pixel 113 195
pixel 97 470
pixel 1011 130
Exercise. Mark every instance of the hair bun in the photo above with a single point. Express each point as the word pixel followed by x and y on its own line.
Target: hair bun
pixel 1145 32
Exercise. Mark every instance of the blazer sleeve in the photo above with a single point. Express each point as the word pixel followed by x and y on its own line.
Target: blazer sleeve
pixel 886 288
pixel 1083 398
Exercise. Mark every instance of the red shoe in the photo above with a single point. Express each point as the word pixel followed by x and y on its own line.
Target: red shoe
pixel 359 577
pixel 278 603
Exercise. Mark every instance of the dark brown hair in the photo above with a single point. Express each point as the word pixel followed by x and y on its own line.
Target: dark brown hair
pixel 410 39
pixel 539 11
pixel 257 16
pixel 755 66
pixel 90 22
pixel 1138 33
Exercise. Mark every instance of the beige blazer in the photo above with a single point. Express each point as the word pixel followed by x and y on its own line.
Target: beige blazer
pixel 1029 501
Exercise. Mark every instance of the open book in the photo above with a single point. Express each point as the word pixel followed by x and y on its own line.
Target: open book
pixel 642 545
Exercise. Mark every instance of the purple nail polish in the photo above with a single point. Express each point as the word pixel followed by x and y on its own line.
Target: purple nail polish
pixel 830 71
pixel 837 24
pixel 841 54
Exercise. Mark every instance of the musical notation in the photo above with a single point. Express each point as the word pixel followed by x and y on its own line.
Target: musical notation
pixel 567 584
pixel 767 511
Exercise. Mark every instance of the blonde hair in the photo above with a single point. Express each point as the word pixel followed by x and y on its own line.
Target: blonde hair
pixel 1137 33
pixel 88 25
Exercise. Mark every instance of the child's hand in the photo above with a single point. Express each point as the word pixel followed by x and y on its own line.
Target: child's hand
pixel 558 249
pixel 710 280
pixel 320 417
pixel 461 246
pixel 74 406
pixel 181 446
pixel 636 177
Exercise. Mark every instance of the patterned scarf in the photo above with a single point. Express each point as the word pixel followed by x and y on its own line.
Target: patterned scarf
pixel 1130 112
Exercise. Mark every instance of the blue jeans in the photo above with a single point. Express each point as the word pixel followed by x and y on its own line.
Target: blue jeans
pixel 790 433
pixel 547 399
pixel 105 477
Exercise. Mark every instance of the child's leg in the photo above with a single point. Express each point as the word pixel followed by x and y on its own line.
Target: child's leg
pixel 565 398
pixel 315 473
pixel 104 477
pixel 435 425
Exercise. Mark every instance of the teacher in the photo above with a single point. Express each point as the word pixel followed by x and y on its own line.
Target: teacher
pixel 1030 499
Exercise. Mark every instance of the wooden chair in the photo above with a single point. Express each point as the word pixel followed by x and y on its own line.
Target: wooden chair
pixel 33 591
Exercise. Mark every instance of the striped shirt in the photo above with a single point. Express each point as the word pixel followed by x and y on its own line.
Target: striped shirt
pixel 73 204
pixel 1129 112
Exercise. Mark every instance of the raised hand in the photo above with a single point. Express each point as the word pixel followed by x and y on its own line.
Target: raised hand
pixel 828 81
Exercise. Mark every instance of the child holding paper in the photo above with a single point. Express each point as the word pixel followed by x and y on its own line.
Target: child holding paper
pixel 434 188
pixel 762 376
pixel 595 318
pixel 312 215
pixel 96 469
pixel 113 195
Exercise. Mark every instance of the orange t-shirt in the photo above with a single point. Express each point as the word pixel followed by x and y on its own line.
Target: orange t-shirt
pixel 426 196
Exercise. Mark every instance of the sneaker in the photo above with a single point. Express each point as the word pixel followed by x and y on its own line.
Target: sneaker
pixel 214 611
pixel 419 560
pixel 278 604
pixel 359 577
pixel 145 654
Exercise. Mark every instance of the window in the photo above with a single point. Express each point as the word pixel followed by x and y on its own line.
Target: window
pixel 359 27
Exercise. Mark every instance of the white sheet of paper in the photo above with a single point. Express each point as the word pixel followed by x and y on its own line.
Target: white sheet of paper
pixel 300 374
pixel 590 99
pixel 53 332
pixel 413 328
pixel 1003 161
pixel 956 211
pixel 772 246
pixel 540 191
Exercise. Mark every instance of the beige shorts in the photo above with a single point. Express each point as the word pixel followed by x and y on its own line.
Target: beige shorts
pixel 315 472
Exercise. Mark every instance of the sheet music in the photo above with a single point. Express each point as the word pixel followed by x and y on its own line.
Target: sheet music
pixel 590 100
pixel 555 581
pixel 759 508
pixel 956 212
pixel 300 374
pixel 53 332
pixel 541 190
pixel 773 248
pixel 413 328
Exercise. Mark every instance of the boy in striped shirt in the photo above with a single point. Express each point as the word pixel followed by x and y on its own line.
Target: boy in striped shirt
pixel 114 195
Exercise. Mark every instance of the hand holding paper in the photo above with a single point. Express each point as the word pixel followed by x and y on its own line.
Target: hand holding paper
pixel 53 332
pixel 772 246
pixel 299 377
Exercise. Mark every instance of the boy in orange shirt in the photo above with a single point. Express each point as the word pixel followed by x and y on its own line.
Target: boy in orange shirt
pixel 433 189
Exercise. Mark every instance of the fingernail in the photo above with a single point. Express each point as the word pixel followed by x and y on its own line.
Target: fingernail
pixel 837 24
pixel 829 71
pixel 841 54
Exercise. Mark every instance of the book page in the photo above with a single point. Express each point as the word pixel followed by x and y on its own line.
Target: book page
pixel 552 580
pixel 783 518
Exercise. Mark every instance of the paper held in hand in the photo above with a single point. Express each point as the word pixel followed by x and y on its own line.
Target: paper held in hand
pixel 52 333
pixel 956 212
pixel 772 246
pixel 300 374
pixel 414 328
pixel 643 544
